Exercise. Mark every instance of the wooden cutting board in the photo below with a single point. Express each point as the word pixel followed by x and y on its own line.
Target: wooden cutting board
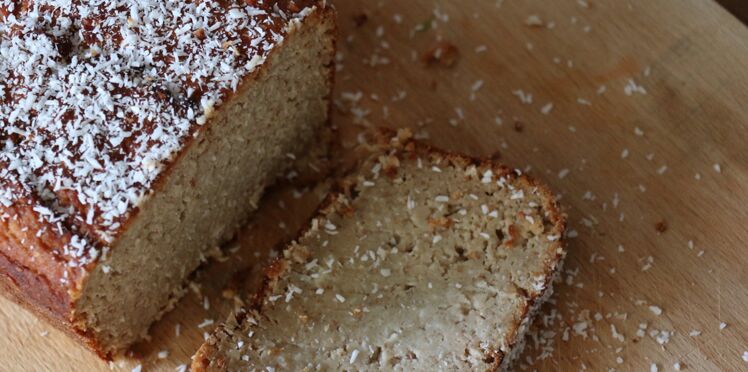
pixel 636 114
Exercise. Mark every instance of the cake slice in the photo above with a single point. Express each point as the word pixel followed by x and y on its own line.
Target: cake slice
pixel 135 136
pixel 423 261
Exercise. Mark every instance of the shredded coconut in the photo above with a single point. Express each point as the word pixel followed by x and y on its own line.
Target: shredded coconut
pixel 97 97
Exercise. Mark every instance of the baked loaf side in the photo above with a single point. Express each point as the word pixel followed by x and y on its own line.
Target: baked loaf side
pixel 136 136
pixel 425 261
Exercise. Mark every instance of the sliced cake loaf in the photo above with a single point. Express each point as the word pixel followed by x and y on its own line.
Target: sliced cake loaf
pixel 135 136
pixel 423 261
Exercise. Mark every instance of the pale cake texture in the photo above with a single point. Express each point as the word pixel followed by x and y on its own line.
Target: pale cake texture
pixel 425 261
pixel 135 136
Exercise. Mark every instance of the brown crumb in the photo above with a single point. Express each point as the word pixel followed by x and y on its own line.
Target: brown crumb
pixel 519 126
pixel 199 33
pixel 443 54
pixel 228 293
pixel 440 222
pixel 661 226
pixel 404 135
pixel 496 155
pixel 513 235
pixel 390 164
pixel 360 19
pixel 474 255
pixel 345 209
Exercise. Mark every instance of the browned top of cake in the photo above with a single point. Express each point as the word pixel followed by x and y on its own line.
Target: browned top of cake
pixel 98 96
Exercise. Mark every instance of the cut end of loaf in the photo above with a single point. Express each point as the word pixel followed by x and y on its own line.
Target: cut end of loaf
pixel 277 114
pixel 424 260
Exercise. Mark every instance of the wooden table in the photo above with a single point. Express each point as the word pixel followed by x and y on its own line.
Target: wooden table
pixel 635 112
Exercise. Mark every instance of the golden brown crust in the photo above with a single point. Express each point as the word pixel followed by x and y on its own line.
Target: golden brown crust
pixel 46 296
pixel 207 356
pixel 34 277
pixel 33 292
pixel 22 244
pixel 400 144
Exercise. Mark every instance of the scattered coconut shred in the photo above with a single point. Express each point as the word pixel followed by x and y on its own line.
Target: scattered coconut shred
pixel 566 319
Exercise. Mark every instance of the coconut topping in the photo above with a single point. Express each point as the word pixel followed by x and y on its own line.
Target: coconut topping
pixel 98 97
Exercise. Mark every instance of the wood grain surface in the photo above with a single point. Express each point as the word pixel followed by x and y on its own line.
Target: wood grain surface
pixel 635 113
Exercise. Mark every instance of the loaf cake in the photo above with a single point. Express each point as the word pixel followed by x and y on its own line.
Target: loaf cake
pixel 137 135
pixel 424 260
